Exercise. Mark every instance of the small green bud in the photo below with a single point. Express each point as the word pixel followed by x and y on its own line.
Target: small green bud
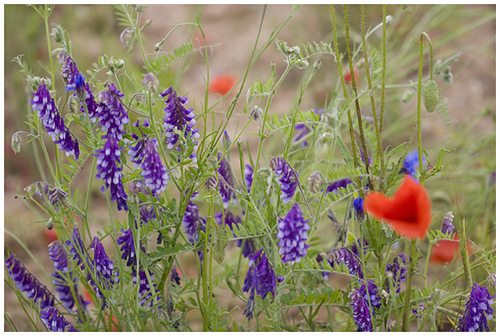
pixel 315 181
pixel 317 65
pixel 16 142
pixel 431 96
pixel 302 64
pixel 350 238
pixel 50 224
pixel 407 96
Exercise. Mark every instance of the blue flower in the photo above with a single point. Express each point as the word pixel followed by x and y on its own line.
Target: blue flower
pixel 44 104
pixel 154 172
pixel 108 170
pixel 248 176
pixel 447 225
pixel 28 283
pixel 410 163
pixel 180 118
pixel 55 321
pixel 111 113
pixel 103 269
pixel 127 247
pixel 360 310
pixel 63 283
pixel 333 187
pixel 287 177
pixel 145 295
pixel 292 235
pixel 77 249
pixel 398 271
pixel 359 211
pixel 478 310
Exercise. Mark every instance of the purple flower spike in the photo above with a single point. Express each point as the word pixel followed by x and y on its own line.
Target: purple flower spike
pixel 193 223
pixel 154 172
pixel 447 225
pixel 361 310
pixel 226 173
pixel 478 310
pixel 110 172
pixel 77 248
pixel 45 105
pixel 292 235
pixel 63 283
pixel 287 177
pixel 136 151
pixel 145 289
pixel 359 211
pixel 55 321
pixel 398 271
pixel 111 113
pixel 301 132
pixel 128 247
pixel 180 118
pixel 248 176
pixel 344 256
pixel 102 268
pixel 266 277
pixel 333 187
pixel 28 283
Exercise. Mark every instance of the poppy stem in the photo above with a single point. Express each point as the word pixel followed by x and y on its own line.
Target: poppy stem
pixel 419 106
pixel 406 311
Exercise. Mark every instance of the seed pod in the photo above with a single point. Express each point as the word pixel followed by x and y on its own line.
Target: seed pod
pixel 431 96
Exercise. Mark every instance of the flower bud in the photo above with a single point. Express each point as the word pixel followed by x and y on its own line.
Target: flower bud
pixel 302 64
pixel 407 96
pixel 431 96
pixel 255 112
pixel 125 37
pixel 16 142
pixel 151 82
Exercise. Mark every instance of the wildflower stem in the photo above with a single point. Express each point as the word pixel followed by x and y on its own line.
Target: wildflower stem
pixel 465 256
pixel 406 309
pixel 382 98
pixel 370 88
pixel 419 107
pixel 358 109
pixel 49 49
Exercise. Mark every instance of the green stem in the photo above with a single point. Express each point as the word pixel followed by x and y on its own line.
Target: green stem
pixel 406 310
pixel 49 49
pixel 382 98
pixel 465 255
pixel 419 107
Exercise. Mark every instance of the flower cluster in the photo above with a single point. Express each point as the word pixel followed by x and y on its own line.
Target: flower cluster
pixel 227 186
pixel 346 257
pixel 54 322
pixel 397 271
pixel 63 276
pixel 108 170
pixel 334 186
pixel 478 310
pixel 410 164
pixel 77 248
pixel 361 301
pixel 193 223
pixel 292 235
pixel 111 112
pixel 260 280
pixel 177 117
pixel 103 270
pixel 136 151
pixel 154 172
pixel 126 240
pixel 287 177
pixel 145 293
pixel 45 105
pixel 248 177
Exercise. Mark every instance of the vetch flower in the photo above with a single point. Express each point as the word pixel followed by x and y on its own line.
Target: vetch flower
pixel 151 82
pixel 54 321
pixel 266 277
pixel 359 211
pixel 334 186
pixel 360 310
pixel 344 256
pixel 408 212
pixel 180 118
pixel 63 276
pixel 410 163
pixel 447 226
pixel 28 283
pixel 174 277
pixel 108 170
pixel 301 131
pixel 193 223
pixel 287 177
pixel 370 293
pixel 77 249
pixel 136 151
pixel 154 172
pixel 103 269
pixel 226 187
pixel 397 271
pixel 248 176
pixel 248 248
pixel 111 112
pixel 145 295
pixel 126 240
pixel 478 310
pixel 292 235
pixel 46 109
pixel 231 220
pixel 249 285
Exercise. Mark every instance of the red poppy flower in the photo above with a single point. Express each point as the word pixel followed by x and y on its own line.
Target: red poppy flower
pixel 222 84
pixel 348 76
pixel 408 212
pixel 445 250
pixel 50 235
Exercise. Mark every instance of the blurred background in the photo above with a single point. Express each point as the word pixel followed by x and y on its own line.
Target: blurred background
pixel 231 31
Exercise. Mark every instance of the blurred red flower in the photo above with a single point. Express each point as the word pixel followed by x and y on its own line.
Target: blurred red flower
pixel 444 251
pixel 348 76
pixel 50 235
pixel 222 84
pixel 408 212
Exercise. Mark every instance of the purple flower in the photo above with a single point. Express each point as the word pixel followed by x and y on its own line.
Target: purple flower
pixel 410 163
pixel 226 187
pixel 44 104
pixel 478 310
pixel 174 277
pixel 77 248
pixel 69 70
pixel 287 177
pixel 354 246
pixel 108 170
pixel 103 270
pixel 363 158
pixel 332 187
pixel 248 177
pixel 193 223
pixel 301 132
pixel 136 151
pixel 248 248
pixel 154 172
pixel 231 220
pixel 292 235
pixel 249 285
pixel 63 283
pixel 344 256
pixel 398 271
pixel 447 225
pixel 28 283
pixel 360 310
pixel 111 113
pixel 180 118
pixel 145 294
pixel 371 294
pixel 91 104
pixel 127 247
pixel 359 211
pixel 55 321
